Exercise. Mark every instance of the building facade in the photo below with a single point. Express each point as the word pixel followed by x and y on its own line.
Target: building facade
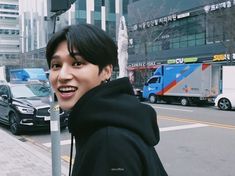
pixel 34 30
pixel 103 13
pixel 9 32
pixel 163 32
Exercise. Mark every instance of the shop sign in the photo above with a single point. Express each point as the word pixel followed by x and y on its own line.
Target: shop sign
pixel 225 4
pixel 183 15
pixel 182 60
pixel 143 65
pixel 156 22
pixel 219 57
pixel 222 57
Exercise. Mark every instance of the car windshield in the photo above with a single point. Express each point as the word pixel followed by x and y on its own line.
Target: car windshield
pixel 31 90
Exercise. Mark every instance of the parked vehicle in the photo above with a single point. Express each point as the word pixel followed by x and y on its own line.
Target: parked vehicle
pixel 26 107
pixel 185 83
pixel 138 93
pixel 22 74
pixel 27 74
pixel 226 100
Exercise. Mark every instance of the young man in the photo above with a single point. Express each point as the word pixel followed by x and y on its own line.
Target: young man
pixel 115 134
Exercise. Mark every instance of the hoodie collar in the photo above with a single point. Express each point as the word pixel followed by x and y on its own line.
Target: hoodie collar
pixel 114 104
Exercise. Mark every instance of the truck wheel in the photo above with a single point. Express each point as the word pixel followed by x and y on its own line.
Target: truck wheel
pixel 14 126
pixel 152 98
pixel 224 104
pixel 184 101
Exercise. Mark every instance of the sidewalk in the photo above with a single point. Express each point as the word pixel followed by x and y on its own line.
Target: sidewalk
pixel 19 158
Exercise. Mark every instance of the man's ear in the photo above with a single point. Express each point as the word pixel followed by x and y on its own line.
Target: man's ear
pixel 107 72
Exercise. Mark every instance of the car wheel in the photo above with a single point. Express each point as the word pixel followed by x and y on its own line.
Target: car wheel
pixel 184 101
pixel 152 98
pixel 224 104
pixel 14 126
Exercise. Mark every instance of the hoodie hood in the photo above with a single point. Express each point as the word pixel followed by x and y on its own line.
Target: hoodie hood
pixel 114 104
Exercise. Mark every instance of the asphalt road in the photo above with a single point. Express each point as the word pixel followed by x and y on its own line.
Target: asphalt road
pixel 195 141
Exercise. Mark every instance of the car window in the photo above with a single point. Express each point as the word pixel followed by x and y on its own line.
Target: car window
pixel 3 90
pixel 27 91
pixel 39 89
pixel 154 80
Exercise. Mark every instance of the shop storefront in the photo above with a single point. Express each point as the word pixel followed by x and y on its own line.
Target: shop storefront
pixel 197 32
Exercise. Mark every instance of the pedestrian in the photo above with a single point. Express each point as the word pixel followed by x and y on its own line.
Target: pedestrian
pixel 114 133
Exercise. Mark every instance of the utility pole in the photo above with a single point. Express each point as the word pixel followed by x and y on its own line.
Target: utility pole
pixel 54 107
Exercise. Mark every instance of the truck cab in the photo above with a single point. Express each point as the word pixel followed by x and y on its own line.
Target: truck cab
pixel 153 85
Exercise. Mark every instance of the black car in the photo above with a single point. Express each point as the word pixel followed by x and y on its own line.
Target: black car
pixel 27 106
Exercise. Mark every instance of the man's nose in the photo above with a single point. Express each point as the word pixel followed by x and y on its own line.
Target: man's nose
pixel 65 73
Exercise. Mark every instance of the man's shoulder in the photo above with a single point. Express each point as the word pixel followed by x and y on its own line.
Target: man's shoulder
pixel 116 134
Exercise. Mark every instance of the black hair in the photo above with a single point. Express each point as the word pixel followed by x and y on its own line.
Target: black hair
pixel 92 44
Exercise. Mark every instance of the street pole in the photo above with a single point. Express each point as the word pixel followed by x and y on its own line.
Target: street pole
pixel 55 137
pixel 54 107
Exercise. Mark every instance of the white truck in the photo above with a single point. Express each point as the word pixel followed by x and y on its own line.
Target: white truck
pixel 185 83
pixel 228 79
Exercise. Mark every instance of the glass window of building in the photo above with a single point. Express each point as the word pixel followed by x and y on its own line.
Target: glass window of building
pixel 125 6
pixel 9 6
pixel 98 4
pixel 111 6
pixel 80 21
pixel 111 28
pixel 219 29
pixel 81 5
pixel 97 23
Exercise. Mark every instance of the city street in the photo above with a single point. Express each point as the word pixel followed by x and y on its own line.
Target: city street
pixel 194 140
pixel 74 52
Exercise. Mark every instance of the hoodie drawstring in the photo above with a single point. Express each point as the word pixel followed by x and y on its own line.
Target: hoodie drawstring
pixel 71 155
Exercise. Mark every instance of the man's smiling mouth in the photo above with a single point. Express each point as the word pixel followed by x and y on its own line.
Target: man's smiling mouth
pixel 67 89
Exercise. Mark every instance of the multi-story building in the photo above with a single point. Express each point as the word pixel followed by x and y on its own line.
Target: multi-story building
pixel 9 32
pixel 103 13
pixel 33 32
pixel 184 31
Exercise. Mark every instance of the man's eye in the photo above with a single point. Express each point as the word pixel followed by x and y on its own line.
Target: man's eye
pixel 77 64
pixel 54 66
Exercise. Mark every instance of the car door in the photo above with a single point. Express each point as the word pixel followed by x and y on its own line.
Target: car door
pixel 4 103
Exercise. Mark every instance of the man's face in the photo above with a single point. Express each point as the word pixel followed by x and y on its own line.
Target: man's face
pixel 72 78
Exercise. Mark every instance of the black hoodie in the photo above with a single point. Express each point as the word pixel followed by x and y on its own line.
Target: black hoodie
pixel 115 134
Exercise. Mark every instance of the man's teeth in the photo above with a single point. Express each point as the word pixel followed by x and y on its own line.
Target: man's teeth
pixel 66 89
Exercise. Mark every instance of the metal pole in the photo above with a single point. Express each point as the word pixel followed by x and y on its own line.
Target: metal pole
pixel 54 108
pixel 55 137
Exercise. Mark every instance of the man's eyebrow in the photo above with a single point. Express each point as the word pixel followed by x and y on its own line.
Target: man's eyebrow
pixel 55 57
pixel 75 54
